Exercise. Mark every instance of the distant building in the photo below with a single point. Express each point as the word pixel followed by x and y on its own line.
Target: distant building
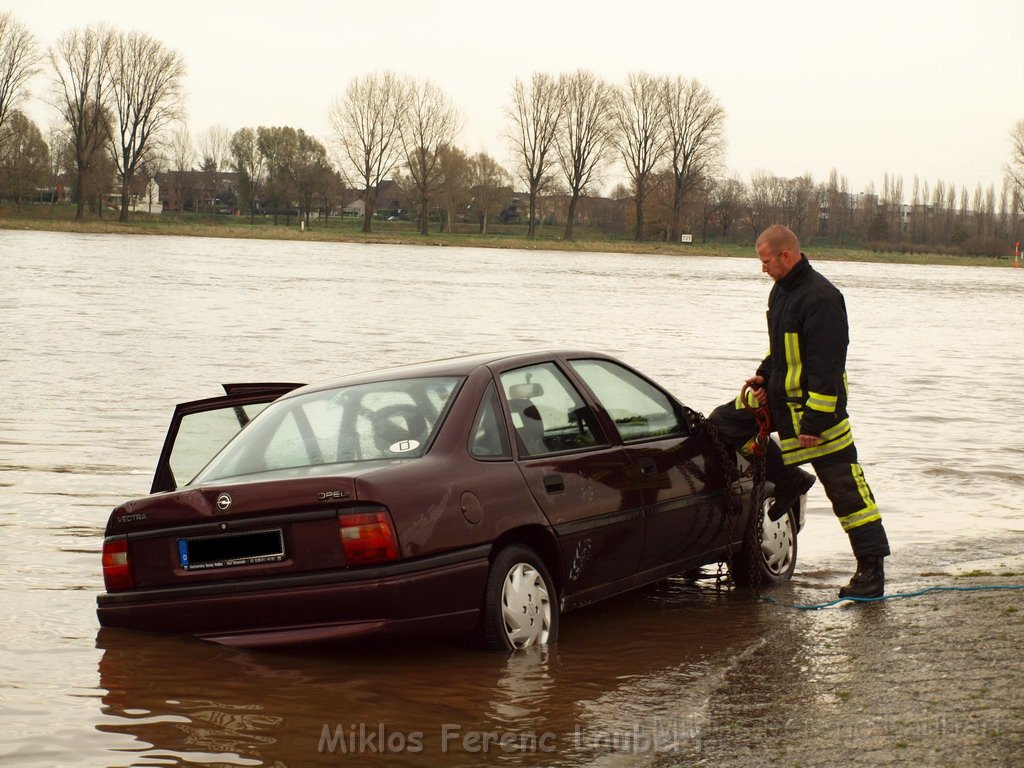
pixel 199 191
pixel 144 196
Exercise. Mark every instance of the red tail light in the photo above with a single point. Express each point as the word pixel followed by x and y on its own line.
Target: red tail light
pixel 117 568
pixel 368 537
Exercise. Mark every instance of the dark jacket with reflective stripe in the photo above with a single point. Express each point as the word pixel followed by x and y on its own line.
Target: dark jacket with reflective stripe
pixel 806 364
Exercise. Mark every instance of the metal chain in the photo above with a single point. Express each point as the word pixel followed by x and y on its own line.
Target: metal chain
pixel 731 507
pixel 762 416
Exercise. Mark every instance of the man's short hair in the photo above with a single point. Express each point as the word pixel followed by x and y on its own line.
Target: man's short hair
pixel 779 238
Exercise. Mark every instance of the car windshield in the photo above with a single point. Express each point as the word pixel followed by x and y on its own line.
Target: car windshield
pixel 365 422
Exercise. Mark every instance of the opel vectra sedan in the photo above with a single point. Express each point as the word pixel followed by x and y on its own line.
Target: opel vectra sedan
pixel 485 494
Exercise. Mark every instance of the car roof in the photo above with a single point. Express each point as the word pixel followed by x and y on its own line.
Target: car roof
pixel 452 366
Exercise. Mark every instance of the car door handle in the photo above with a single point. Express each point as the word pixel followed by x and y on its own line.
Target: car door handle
pixel 647 465
pixel 554 484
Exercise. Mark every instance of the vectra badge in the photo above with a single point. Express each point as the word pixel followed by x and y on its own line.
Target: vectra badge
pixel 224 502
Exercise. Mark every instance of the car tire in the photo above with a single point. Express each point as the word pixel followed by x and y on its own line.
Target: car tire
pixel 775 560
pixel 520 602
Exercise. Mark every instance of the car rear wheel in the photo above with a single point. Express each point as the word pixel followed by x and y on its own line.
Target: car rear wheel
pixel 774 559
pixel 520 603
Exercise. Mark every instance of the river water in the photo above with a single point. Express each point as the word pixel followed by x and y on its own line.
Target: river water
pixel 103 334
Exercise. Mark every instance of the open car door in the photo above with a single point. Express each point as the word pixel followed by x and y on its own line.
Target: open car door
pixel 199 430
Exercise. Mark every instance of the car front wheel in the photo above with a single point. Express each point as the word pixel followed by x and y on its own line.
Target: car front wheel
pixel 771 561
pixel 520 603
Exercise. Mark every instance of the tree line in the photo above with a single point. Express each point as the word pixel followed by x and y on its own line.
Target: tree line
pixel 119 105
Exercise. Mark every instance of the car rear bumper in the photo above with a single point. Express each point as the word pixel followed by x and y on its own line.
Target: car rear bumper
pixel 442 593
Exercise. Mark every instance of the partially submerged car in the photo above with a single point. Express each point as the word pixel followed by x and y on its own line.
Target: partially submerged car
pixel 489 493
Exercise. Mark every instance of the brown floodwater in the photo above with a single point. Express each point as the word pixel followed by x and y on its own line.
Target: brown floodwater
pixel 103 334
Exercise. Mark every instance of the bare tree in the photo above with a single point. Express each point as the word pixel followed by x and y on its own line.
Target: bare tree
pixel 279 146
pixel 926 212
pixel 454 189
pixel 835 199
pixel 695 124
pixel 640 118
pixel 366 131
pixel 801 206
pixel 937 202
pixel 430 126
pixel 147 96
pixel 586 137
pixel 249 164
pixel 19 62
pixel 182 158
pixel 892 205
pixel 309 171
pixel 61 157
pixel 215 148
pixel 536 114
pixel 99 180
pixel 765 201
pixel 727 201
pixel 491 188
pixel 915 208
pixel 149 169
pixel 79 59
pixel 329 188
pixel 1015 168
pixel 963 215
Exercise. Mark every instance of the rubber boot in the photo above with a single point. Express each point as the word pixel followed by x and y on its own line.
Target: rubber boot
pixel 788 489
pixel 869 580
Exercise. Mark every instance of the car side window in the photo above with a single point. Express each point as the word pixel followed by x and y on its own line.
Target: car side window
pixel 488 439
pixel 547 412
pixel 201 435
pixel 639 409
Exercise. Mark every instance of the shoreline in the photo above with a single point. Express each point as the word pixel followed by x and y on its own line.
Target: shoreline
pixel 238 228
pixel 932 680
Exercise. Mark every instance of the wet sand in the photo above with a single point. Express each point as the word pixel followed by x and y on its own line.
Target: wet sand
pixel 930 680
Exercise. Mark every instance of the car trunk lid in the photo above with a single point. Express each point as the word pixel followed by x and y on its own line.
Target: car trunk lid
pixel 235 531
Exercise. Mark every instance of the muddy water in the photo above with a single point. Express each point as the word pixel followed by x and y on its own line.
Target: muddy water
pixel 103 334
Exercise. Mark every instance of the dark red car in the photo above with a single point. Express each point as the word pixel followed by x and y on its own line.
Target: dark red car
pixel 486 493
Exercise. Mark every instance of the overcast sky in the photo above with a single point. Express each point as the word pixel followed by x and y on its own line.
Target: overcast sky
pixel 909 87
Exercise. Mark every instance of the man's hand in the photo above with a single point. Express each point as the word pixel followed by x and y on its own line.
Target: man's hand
pixel 809 441
pixel 756 384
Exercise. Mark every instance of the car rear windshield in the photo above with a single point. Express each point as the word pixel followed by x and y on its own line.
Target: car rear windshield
pixel 365 422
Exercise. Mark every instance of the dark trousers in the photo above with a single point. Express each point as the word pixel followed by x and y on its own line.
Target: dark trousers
pixel 840 475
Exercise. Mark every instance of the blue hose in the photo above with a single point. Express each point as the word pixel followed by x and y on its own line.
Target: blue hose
pixel 819 606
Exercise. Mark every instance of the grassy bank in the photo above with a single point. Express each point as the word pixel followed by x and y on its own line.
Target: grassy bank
pixel 60 218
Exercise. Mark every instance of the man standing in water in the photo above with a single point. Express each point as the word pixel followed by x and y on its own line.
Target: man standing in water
pixel 803 382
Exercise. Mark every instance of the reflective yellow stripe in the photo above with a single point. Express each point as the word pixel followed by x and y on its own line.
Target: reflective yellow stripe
pixel 817 451
pixel 791 443
pixel 870 511
pixel 833 439
pixel 794 416
pixel 820 402
pixel 862 486
pixel 751 400
pixel 794 366
pixel 858 519
pixel 794 369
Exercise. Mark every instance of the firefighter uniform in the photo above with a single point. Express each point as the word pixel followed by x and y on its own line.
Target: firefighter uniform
pixel 805 377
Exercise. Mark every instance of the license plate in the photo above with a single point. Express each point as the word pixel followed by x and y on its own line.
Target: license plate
pixel 227 549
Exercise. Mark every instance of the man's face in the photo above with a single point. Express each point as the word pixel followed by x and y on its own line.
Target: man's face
pixel 776 264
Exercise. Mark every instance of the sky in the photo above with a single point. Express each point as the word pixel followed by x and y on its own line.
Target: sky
pixel 906 88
